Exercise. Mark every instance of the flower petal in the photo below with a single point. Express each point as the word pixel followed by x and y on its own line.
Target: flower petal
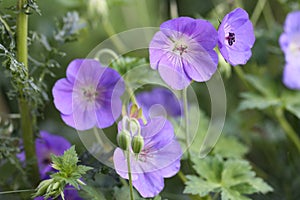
pixel 292 24
pixel 149 184
pixel 62 94
pixel 291 76
pixel 202 65
pixel 171 70
pixel 80 119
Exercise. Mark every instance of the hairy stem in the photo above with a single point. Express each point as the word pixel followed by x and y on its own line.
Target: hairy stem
pixel 129 175
pixel 25 109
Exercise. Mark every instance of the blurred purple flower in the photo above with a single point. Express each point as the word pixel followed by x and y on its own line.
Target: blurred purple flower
pixel 182 51
pixel 236 37
pixel 46 145
pixel 89 96
pixel 162 97
pixel 290 44
pixel 159 158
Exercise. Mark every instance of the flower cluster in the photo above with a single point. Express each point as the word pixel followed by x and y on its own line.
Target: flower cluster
pixel 290 44
pixel 183 49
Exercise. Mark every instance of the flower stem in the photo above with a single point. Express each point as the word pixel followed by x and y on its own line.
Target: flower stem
pixel 27 122
pixel 129 175
pixel 279 114
pixel 186 117
pixel 287 127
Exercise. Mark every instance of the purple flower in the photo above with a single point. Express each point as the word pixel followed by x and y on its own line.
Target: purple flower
pixel 290 44
pixel 182 51
pixel 46 145
pixel 159 97
pixel 236 37
pixel 89 96
pixel 159 158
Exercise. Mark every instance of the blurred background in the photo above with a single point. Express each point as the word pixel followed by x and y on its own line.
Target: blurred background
pixel 271 154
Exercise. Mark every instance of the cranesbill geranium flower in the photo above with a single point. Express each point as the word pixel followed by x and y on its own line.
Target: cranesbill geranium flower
pixel 159 158
pixel 182 51
pixel 290 44
pixel 89 96
pixel 46 145
pixel 236 37
pixel 162 97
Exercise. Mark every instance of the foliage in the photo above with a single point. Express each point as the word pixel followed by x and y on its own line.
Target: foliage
pixel 232 178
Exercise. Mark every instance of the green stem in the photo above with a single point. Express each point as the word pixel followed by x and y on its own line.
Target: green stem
pixel 186 117
pixel 129 175
pixel 279 112
pixel 257 11
pixel 25 109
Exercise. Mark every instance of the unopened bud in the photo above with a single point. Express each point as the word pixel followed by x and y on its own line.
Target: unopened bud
pixel 137 144
pixel 135 127
pixel 123 139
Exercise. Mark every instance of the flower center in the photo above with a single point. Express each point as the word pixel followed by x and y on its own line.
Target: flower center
pixel 230 38
pixel 180 49
pixel 144 154
pixel 89 94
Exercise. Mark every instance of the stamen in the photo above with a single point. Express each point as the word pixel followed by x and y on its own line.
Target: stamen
pixel 230 38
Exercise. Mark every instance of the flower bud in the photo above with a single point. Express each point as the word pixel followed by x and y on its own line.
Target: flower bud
pixel 135 127
pixel 137 144
pixel 123 139
pixel 42 188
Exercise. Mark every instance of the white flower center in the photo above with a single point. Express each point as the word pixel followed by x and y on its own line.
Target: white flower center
pixel 294 48
pixel 89 94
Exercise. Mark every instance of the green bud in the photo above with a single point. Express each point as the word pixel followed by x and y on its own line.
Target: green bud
pixel 137 144
pixel 135 127
pixel 123 139
pixel 42 187
pixel 56 186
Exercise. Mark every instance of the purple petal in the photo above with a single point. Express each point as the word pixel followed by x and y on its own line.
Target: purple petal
pixel 175 27
pixel 80 119
pixel 171 70
pixel 205 34
pixel 163 97
pixel 73 68
pixel 55 143
pixel 237 57
pixel 149 184
pixel 62 94
pixel 109 111
pixel 200 64
pixel 159 46
pixel 292 24
pixel 157 133
pixel 291 76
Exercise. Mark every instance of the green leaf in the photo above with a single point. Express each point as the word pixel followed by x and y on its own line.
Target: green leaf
pixel 294 109
pixel 198 186
pixel 209 168
pixel 236 150
pixel 232 195
pixel 264 85
pixel 255 101
pixel 231 177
